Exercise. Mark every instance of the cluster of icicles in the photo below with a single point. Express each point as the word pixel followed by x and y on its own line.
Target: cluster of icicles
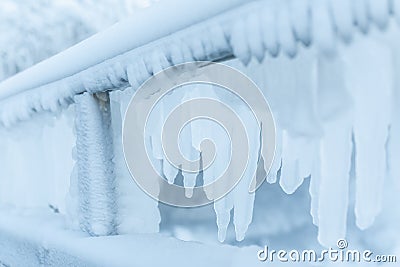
pixel 328 110
pixel 332 104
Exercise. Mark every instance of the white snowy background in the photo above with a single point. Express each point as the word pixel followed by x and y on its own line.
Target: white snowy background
pixel 332 83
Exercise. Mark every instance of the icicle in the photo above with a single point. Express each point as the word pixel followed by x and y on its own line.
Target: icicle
pixel 370 79
pixel 298 156
pixel 297 118
pixel 243 200
pixel 186 137
pixel 186 51
pixel 343 18
pixel 322 25
pixel 219 41
pixel 169 170
pixel 314 190
pixel 300 19
pixel 290 178
pixel 276 164
pixel 175 55
pixel 269 28
pixel 334 184
pixel 379 12
pixel 202 129
pixel 142 73
pixel 360 14
pixel 239 43
pixel 132 76
pixel 330 189
pixel 286 36
pixel 254 37
pixel 158 61
pixel 168 103
pixel 154 125
pixel 197 50
pixel 223 209
pixel 224 205
pixel 208 46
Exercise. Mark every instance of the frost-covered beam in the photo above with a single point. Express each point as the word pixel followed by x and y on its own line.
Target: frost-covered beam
pixel 95 177
pixel 146 26
pixel 246 31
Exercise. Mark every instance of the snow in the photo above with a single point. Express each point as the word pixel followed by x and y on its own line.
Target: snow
pixel 45 241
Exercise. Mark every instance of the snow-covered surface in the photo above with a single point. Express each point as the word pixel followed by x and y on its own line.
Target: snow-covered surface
pixel 45 241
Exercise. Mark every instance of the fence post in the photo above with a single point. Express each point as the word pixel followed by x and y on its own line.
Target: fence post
pixel 95 166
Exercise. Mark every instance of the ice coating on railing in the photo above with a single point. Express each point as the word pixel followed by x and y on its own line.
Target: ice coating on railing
pixel 249 31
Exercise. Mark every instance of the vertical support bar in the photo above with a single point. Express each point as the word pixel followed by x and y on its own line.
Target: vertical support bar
pixel 95 167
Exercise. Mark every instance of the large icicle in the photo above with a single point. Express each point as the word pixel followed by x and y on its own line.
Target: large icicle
pixel 330 190
pixel 240 199
pixel 95 167
pixel 370 79
pixel 244 200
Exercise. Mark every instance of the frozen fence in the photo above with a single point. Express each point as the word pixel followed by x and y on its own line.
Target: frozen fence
pixel 335 103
